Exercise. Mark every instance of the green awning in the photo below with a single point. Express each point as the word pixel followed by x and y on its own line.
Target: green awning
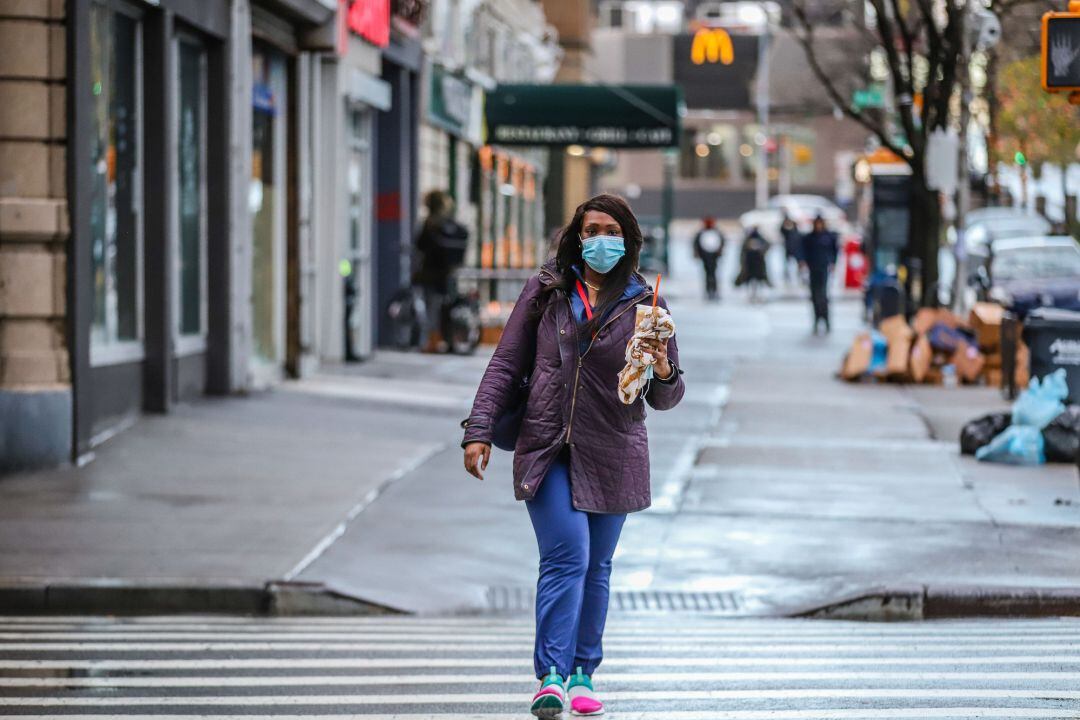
pixel 616 116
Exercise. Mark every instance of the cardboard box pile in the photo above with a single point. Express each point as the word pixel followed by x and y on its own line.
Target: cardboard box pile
pixel 936 339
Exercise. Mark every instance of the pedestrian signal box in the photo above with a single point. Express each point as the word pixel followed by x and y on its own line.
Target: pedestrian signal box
pixel 1061 52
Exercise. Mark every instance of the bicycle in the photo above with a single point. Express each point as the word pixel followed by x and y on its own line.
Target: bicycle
pixel 459 320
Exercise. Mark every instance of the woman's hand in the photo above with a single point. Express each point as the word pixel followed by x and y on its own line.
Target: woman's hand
pixel 477 455
pixel 658 349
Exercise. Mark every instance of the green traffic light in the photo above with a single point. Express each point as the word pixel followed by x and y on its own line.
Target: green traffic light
pixel 1019 158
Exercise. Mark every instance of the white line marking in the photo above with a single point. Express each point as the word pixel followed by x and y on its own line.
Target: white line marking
pixel 422 457
pixel 496 698
pixel 614 636
pixel 663 620
pixel 526 630
pixel 517 646
pixel 608 679
pixel 488 662
pixel 983 713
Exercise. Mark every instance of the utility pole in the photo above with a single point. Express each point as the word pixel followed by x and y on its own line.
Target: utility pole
pixel 761 189
pixel 963 187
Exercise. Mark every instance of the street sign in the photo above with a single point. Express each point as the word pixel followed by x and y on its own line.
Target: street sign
pixel 1061 51
pixel 871 97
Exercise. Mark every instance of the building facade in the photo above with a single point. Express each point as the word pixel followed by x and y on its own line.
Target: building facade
pixel 472 46
pixel 195 198
pixel 716 52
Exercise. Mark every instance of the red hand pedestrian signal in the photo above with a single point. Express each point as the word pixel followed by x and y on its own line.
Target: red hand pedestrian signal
pixel 1061 52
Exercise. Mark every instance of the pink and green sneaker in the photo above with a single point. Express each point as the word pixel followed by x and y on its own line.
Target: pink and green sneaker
pixel 582 697
pixel 550 699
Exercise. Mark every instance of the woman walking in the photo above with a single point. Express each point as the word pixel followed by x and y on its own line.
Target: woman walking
pixel 581 459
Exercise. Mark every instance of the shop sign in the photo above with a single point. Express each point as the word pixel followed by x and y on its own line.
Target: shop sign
pixel 626 116
pixel 370 19
pixel 712 45
pixel 716 68
pixel 450 103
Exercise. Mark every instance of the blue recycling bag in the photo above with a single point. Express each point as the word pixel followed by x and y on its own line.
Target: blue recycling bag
pixel 1016 445
pixel 880 356
pixel 1022 442
pixel 1042 401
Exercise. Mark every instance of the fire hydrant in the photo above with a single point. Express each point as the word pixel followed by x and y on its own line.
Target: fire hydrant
pixel 854 264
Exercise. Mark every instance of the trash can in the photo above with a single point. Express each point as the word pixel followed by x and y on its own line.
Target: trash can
pixel 1053 339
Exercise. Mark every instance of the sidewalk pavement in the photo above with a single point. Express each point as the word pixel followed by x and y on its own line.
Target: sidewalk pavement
pixel 777 488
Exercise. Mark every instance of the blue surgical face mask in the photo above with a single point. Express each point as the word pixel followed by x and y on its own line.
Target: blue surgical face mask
pixel 602 252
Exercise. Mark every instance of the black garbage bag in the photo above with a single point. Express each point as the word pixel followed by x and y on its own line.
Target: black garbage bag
pixel 982 430
pixel 1062 436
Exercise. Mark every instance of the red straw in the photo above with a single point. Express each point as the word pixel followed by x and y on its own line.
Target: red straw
pixel 656 290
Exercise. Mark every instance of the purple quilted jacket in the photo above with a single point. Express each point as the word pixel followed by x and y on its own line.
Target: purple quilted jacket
pixel 573 401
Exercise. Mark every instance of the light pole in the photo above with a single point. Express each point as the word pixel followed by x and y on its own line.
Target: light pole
pixel 761 188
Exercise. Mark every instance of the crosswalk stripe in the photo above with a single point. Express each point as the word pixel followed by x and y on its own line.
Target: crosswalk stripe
pixel 613 636
pixel 497 698
pixel 817 714
pixel 510 646
pixel 607 678
pixel 133 633
pixel 627 620
pixel 694 669
pixel 488 662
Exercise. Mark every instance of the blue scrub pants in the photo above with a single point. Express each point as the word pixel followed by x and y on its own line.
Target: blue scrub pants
pixel 575 566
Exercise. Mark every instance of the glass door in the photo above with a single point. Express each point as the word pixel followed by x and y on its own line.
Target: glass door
pixel 356 266
pixel 268 199
pixel 190 225
pixel 116 237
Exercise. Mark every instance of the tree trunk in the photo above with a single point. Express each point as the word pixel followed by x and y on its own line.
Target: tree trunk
pixel 924 241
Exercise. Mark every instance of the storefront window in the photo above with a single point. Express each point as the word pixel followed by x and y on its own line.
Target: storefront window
pixel 267 200
pixel 356 269
pixel 115 194
pixel 191 205
pixel 709 153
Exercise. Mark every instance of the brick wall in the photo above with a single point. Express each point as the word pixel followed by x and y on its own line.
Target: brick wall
pixel 33 206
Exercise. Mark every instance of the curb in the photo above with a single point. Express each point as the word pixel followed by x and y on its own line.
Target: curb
pixel 123 598
pixel 924 602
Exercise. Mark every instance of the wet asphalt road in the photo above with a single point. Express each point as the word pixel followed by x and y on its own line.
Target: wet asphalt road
pixel 677 666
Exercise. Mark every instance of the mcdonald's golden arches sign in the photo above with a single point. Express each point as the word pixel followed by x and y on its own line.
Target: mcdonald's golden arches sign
pixel 712 45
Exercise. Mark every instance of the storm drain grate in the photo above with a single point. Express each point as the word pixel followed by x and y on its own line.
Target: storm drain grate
pixel 520 599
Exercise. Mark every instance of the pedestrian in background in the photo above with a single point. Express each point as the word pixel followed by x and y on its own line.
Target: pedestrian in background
pixel 819 249
pixel 709 246
pixel 441 245
pixel 789 231
pixel 752 269
pixel 581 461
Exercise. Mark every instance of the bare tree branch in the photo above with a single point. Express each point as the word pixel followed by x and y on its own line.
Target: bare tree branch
pixel 934 58
pixel 953 46
pixel 903 86
pixel 806 40
pixel 905 34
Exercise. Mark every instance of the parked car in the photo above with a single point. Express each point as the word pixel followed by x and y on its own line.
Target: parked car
pixel 801 208
pixel 996 212
pixel 1024 273
pixel 985 225
pixel 1005 227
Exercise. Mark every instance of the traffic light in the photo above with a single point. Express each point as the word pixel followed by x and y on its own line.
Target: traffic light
pixel 1061 52
pixel 1020 158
